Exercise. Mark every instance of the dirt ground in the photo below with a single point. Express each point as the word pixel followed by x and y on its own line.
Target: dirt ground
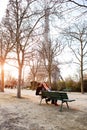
pixel 27 114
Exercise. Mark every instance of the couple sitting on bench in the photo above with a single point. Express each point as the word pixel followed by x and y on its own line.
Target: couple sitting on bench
pixel 44 87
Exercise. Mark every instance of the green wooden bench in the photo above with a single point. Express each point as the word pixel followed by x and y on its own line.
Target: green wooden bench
pixel 56 95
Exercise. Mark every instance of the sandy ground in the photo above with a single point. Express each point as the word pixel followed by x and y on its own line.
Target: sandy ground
pixel 27 114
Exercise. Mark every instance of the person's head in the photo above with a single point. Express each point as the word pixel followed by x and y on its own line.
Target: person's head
pixel 39 84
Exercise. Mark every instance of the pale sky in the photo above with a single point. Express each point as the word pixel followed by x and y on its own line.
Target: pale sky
pixel 3 5
pixel 66 70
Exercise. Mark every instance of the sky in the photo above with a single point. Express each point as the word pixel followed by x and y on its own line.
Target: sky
pixel 66 70
pixel 3 5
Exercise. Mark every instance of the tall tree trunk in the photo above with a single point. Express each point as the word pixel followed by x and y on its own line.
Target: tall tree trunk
pixel 49 79
pixel 82 85
pixel 19 83
pixel 33 87
pixel 82 90
pixel 2 77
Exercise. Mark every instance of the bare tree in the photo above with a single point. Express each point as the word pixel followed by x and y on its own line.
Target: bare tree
pixel 6 46
pixel 34 64
pixel 77 35
pixel 81 3
pixel 21 19
pixel 50 49
pixel 49 53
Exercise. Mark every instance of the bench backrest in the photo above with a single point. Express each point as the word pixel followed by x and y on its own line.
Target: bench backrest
pixel 64 95
pixel 54 95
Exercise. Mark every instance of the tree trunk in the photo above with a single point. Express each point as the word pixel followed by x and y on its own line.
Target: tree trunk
pixel 2 77
pixel 19 83
pixel 82 90
pixel 49 79
pixel 33 87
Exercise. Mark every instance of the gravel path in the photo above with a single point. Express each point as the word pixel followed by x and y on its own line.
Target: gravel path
pixel 27 114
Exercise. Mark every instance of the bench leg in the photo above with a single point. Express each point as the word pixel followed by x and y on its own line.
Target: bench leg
pixel 67 105
pixel 40 101
pixel 61 106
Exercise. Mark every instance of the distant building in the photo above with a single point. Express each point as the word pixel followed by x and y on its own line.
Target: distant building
pixel 42 74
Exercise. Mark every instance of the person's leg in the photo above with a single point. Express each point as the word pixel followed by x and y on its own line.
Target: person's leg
pixel 47 100
pixel 52 102
pixel 55 102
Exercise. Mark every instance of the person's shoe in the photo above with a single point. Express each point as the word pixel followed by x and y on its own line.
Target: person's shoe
pixel 52 103
pixel 46 101
pixel 56 104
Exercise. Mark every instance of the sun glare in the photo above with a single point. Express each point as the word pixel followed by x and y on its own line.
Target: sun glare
pixel 9 70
